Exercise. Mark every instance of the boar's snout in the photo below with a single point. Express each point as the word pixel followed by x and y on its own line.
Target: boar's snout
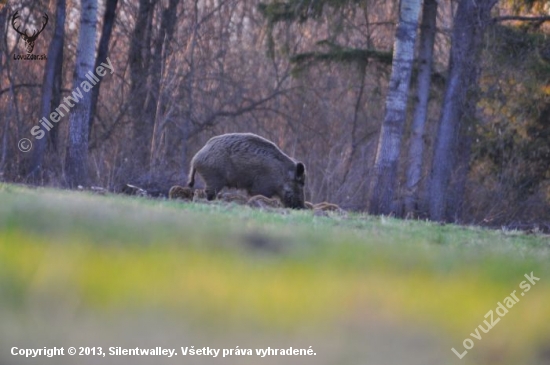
pixel 294 198
pixel 294 194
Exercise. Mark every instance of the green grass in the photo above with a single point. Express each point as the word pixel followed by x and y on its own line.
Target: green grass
pixel 226 266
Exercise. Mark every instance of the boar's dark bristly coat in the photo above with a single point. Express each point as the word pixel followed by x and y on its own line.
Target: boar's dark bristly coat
pixel 250 162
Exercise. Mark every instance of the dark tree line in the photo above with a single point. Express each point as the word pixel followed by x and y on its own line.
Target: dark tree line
pixel 388 103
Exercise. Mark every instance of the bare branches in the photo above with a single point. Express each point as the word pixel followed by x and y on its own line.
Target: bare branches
pixel 251 105
pixel 8 89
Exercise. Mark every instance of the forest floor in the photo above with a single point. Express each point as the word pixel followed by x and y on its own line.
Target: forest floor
pixel 78 269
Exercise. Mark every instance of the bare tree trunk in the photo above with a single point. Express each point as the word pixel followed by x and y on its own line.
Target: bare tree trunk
pixel 416 148
pixel 77 149
pixel 189 86
pixel 162 43
pixel 13 109
pixel 139 59
pixel 389 144
pixel 457 186
pixel 56 96
pixel 471 20
pixel 459 175
pixel 54 66
pixel 353 137
pixel 103 48
pixel 3 16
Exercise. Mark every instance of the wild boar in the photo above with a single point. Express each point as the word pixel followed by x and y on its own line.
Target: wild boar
pixel 180 192
pixel 321 209
pixel 199 195
pixel 260 201
pixel 309 205
pixel 250 162
pixel 327 207
pixel 232 197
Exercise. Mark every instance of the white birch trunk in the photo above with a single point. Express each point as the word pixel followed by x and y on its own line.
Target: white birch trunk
pixel 77 149
pixel 389 143
pixel 416 147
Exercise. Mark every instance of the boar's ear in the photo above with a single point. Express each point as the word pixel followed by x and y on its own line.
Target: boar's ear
pixel 300 171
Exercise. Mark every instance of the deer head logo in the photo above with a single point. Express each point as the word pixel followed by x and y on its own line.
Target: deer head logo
pixel 29 39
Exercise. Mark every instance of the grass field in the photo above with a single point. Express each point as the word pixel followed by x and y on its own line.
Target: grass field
pixel 85 270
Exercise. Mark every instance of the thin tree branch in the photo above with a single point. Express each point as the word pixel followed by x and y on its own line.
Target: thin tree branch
pixel 521 18
pixel 18 86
